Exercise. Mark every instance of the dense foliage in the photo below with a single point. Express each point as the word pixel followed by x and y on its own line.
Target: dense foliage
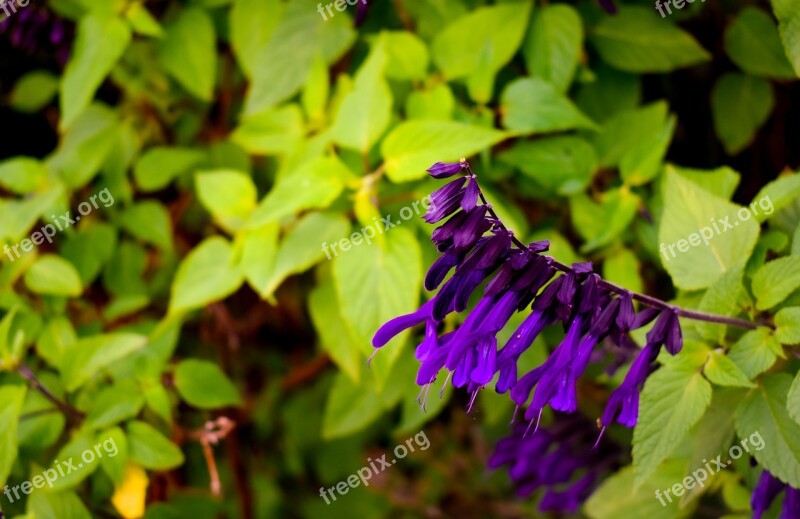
pixel 209 207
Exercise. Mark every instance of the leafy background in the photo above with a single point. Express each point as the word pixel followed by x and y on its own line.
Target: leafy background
pixel 238 136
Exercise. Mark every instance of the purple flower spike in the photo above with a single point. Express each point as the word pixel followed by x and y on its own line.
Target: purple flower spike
pixel 446 169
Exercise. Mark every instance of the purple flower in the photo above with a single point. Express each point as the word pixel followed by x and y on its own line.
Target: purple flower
pixel 446 169
pixel 623 404
pixel 392 328
pixel 559 458
pixel 791 504
pixel 766 491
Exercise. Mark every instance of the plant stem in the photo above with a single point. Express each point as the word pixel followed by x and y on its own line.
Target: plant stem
pixel 642 298
pixel 67 409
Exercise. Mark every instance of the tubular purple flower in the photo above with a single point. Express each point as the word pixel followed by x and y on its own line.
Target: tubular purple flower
pixel 392 328
pixel 473 228
pixel 439 270
pixel 470 199
pixel 446 169
pixel 766 491
pixel 791 504
pixel 487 360
pixel 623 404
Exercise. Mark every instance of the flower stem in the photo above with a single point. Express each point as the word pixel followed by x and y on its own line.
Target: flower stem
pixel 642 298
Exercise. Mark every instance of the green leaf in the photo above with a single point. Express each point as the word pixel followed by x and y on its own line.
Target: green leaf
pixel 115 404
pixel 436 103
pixel 350 408
pixel 123 275
pixel 188 52
pixel 252 23
pixel 611 92
pixel 793 399
pixel 150 449
pixel 316 184
pixel 314 97
pixel 377 283
pixel 150 222
pixel 643 161
pixel 638 40
pixel 721 181
pixel 625 132
pixel 712 436
pixel 11 400
pixel 564 165
pixel 85 146
pixel 23 175
pixel 406 56
pixel 689 213
pixel 53 275
pixel 142 22
pixel 90 249
pixel 413 146
pixel 764 411
pixel 85 358
pixel 274 131
pixel 56 339
pixel 159 166
pixel 100 43
pixel 622 268
pixel 366 111
pixel 336 339
pixel 531 105
pixel 775 280
pixel 34 91
pixel 755 352
pixel 204 385
pixel 740 104
pixel 114 464
pixel 778 194
pixel 80 442
pixel 477 45
pixel 674 398
pixel 722 371
pixel 620 498
pixel 601 223
pixel 787 325
pixel 207 274
pixel 57 505
pixel 281 67
pixel 230 196
pixel 260 247
pixel 552 47
pixel 752 42
pixel 788 14
pixel 304 246
pixel 721 298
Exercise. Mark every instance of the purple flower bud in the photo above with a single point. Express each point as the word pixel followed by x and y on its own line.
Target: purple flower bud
pixel 470 199
pixel 446 169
